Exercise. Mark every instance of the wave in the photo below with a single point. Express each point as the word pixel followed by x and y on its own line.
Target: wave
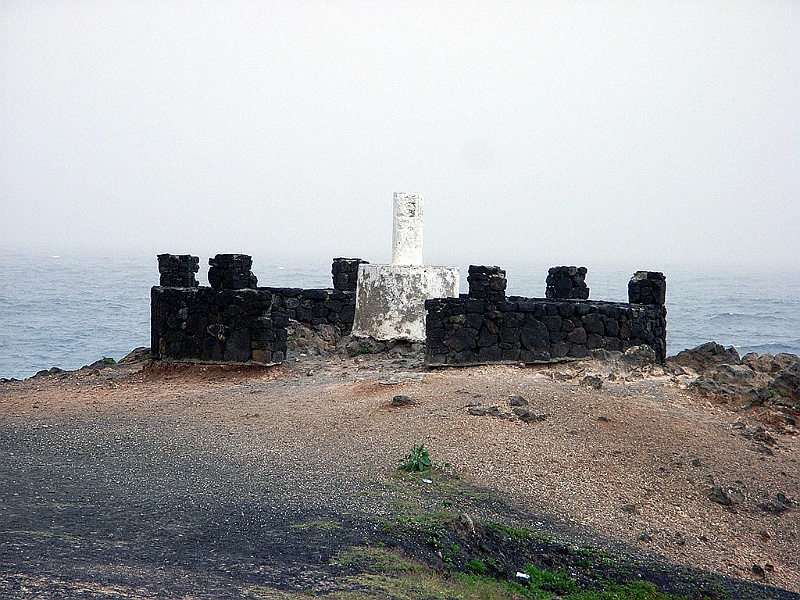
pixel 791 347
pixel 730 316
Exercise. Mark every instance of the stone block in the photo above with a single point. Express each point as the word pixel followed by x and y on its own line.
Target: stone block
pixel 647 287
pixel 390 299
pixel 178 270
pixel 487 283
pixel 567 283
pixel 345 273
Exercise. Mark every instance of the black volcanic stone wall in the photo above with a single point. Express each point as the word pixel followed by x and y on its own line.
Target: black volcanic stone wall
pixel 345 273
pixel 647 287
pixel 317 307
pixel 468 330
pixel 178 270
pixel 335 307
pixel 567 283
pixel 233 320
pixel 207 324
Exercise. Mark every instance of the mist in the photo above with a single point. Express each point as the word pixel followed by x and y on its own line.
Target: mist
pixel 560 133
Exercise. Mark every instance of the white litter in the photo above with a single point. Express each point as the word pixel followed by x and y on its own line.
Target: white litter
pixel 522 575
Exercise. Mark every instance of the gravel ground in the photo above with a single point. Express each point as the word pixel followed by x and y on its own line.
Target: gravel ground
pixel 162 480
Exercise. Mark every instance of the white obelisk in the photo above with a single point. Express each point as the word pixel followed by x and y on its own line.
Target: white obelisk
pixel 407 229
pixel 390 299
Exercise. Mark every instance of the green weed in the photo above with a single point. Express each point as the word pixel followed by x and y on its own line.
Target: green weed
pixel 417 460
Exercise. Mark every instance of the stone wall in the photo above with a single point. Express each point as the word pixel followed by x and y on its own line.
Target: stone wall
pixel 484 326
pixel 317 307
pixel 216 325
pixel 233 320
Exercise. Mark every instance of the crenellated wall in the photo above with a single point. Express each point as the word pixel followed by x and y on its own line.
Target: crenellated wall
pixel 233 320
pixel 485 326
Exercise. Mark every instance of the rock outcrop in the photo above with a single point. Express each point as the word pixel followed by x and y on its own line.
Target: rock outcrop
pixel 755 380
pixel 706 356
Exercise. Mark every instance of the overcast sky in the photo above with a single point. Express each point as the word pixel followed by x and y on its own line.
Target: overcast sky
pixel 567 132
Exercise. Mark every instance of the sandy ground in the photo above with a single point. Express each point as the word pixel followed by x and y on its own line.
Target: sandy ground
pixel 635 462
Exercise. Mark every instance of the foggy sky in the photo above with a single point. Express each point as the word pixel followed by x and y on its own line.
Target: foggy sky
pixel 567 132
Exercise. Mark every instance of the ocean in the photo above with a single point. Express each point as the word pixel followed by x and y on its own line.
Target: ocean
pixel 71 310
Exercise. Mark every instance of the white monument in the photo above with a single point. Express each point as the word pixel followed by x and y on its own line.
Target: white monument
pixel 390 299
pixel 407 229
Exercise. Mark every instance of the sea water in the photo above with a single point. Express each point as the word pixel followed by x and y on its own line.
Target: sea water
pixel 71 310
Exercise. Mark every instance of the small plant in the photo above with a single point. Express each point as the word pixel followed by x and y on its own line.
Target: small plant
pixel 417 460
pixel 107 360
pixel 558 581
pixel 477 566
pixel 433 539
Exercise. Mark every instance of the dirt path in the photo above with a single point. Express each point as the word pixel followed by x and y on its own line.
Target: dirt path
pixel 190 478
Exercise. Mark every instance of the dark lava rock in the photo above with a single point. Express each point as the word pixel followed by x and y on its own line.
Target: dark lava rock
pixel 592 381
pixel 767 363
pixel 727 380
pixel 532 418
pixel 786 387
pixel 781 504
pixel 402 401
pixel 517 401
pixel 705 356
pixel 136 355
pixel 725 496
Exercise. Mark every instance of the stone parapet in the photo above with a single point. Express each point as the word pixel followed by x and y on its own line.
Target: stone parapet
pixel 478 328
pixel 465 331
pixel 233 321
pixel 231 272
pixel 178 270
pixel 567 283
pixel 647 287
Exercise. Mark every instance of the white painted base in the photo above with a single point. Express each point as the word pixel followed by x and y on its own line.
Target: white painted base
pixel 390 299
